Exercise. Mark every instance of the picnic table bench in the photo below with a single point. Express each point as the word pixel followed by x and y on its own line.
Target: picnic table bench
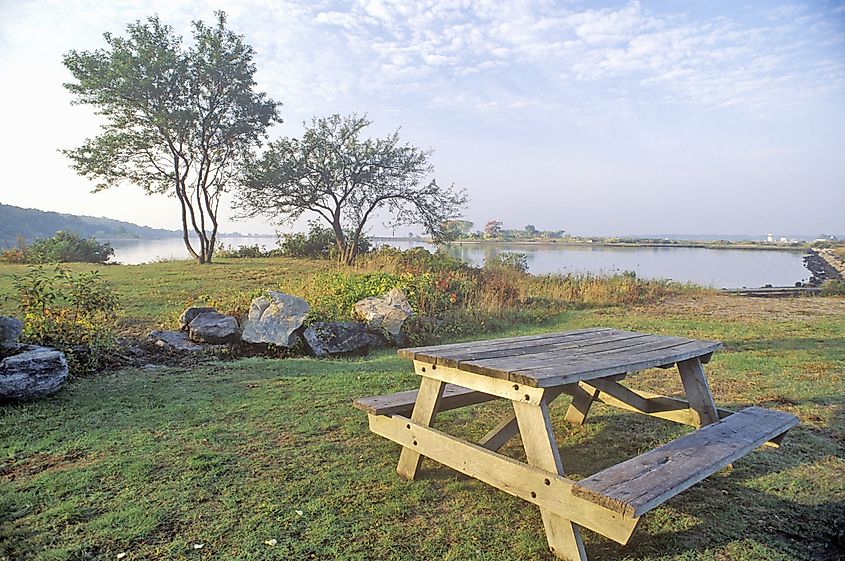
pixel 588 365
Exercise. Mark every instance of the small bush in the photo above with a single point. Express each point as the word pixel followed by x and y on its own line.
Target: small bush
pixel 508 260
pixel 75 313
pixel 64 247
pixel 333 295
pixel 833 288
pixel 318 243
pixel 242 252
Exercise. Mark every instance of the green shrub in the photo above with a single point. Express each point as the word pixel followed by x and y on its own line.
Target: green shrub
pixel 414 260
pixel 75 313
pixel 508 260
pixel 242 252
pixel 333 295
pixel 833 288
pixel 318 243
pixel 64 247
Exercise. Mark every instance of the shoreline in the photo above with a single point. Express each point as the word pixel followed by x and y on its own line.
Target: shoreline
pixel 669 245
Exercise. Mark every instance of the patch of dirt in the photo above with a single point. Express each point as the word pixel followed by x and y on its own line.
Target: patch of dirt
pixel 47 463
pixel 745 307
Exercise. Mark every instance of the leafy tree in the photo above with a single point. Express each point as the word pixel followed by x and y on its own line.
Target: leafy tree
pixel 67 247
pixel 531 230
pixel 457 229
pixel 492 229
pixel 345 179
pixel 318 243
pixel 179 120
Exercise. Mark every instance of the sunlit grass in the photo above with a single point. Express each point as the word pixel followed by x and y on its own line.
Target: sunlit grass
pixel 154 462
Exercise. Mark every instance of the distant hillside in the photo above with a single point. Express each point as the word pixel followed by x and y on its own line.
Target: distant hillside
pixel 31 223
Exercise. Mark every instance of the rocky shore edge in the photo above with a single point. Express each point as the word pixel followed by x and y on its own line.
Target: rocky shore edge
pixel 824 266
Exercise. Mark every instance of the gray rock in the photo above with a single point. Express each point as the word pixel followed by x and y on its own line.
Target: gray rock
pixel 10 330
pixel 345 338
pixel 215 328
pixel 189 314
pixel 34 373
pixel 275 319
pixel 387 312
pixel 174 341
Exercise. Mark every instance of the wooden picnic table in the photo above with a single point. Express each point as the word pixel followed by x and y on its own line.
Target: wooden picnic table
pixel 589 365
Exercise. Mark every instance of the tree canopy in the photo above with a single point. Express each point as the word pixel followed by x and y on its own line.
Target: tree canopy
pixel 179 120
pixel 336 174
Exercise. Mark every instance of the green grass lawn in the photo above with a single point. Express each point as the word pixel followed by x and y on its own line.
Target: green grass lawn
pixel 153 295
pixel 156 462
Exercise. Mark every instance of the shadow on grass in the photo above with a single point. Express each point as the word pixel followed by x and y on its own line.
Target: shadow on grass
pixel 750 505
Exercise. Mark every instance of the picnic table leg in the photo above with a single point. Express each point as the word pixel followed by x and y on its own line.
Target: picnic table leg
pixel 425 409
pixel 535 428
pixel 582 399
pixel 508 428
pixel 698 392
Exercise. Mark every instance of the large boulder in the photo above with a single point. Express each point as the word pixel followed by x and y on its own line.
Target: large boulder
pixel 214 328
pixel 10 330
pixel 174 341
pixel 275 319
pixel 36 372
pixel 190 313
pixel 326 339
pixel 387 312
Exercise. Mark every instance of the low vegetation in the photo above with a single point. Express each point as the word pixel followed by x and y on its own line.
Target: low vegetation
pixel 219 461
pixel 73 312
pixel 64 247
pixel 259 459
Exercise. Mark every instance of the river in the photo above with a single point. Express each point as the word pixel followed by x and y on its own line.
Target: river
pixel 719 268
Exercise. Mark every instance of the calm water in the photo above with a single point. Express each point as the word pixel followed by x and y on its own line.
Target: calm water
pixel 720 268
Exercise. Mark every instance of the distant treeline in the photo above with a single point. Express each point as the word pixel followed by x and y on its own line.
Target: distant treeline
pixel 30 224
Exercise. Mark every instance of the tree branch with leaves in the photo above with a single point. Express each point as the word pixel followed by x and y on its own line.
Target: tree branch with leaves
pixel 345 179
pixel 179 121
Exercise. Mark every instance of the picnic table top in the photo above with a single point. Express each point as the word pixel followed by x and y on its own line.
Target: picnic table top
pixel 555 359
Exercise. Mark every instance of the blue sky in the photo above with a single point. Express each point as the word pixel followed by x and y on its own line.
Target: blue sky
pixel 594 117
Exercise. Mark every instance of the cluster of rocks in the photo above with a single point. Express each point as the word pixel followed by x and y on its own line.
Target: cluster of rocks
pixel 27 371
pixel 277 320
pixel 274 321
pixel 823 265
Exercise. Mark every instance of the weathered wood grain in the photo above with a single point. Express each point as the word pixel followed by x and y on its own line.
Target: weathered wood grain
pixel 541 487
pixel 497 348
pixel 425 408
pixel 514 342
pixel 640 484
pixel 538 439
pixel 563 358
pixel 402 403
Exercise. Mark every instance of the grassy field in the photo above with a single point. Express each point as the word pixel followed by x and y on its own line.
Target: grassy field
pixel 153 295
pixel 213 461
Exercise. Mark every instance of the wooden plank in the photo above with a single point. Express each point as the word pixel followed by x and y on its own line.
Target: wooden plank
pixel 402 403
pixel 497 349
pixel 500 434
pixel 535 429
pixel 485 384
pixel 508 428
pixel 657 352
pixel 425 408
pixel 636 486
pixel 591 369
pixel 698 391
pixel 581 401
pixel 555 354
pixel 543 488
pixel 662 407
pixel 513 342
pixel 572 340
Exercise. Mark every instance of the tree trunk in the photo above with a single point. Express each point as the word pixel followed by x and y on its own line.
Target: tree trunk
pixel 340 240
